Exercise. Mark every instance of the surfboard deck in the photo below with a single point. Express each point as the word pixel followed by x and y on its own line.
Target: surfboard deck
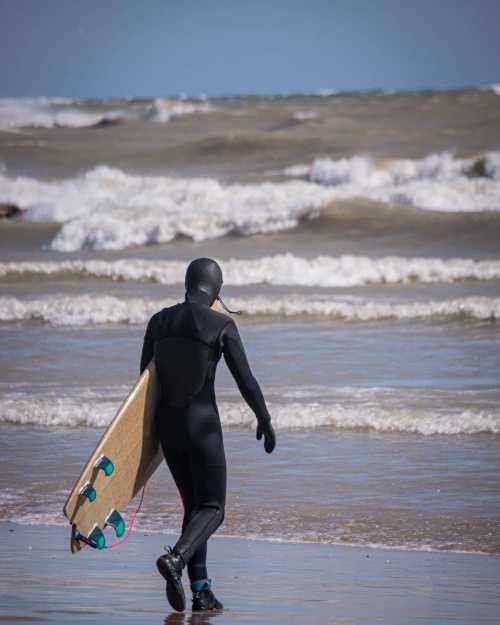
pixel 128 453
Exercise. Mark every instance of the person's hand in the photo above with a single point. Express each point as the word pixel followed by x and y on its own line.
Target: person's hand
pixel 266 430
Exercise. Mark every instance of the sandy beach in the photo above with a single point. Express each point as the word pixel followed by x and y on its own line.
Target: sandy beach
pixel 259 582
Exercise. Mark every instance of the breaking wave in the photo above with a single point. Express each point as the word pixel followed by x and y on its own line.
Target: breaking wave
pixel 62 310
pixel 64 112
pixel 51 113
pixel 438 182
pixel 163 110
pixel 494 87
pixel 64 411
pixel 278 270
pixel 109 209
pixel 305 115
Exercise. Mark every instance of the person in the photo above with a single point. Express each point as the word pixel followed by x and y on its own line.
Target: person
pixel 187 341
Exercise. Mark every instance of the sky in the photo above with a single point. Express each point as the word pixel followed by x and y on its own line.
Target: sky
pixel 108 48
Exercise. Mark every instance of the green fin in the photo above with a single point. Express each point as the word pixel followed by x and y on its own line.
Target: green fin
pixel 106 465
pixel 88 491
pixel 116 521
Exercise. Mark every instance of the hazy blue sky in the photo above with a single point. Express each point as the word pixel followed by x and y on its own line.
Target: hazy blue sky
pixel 87 48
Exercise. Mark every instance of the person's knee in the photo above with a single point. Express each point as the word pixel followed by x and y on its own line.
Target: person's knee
pixel 219 512
pixel 190 509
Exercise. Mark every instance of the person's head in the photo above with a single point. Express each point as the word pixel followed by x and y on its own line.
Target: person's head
pixel 205 275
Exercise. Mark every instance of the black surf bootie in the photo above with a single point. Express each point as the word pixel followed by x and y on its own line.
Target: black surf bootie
pixel 204 599
pixel 170 565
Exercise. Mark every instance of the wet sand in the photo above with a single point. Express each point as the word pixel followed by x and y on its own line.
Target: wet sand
pixel 259 582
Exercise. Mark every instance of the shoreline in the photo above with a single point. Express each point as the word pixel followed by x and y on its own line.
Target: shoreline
pixel 370 546
pixel 258 581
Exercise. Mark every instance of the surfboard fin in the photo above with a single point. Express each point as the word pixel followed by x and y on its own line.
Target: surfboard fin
pixel 88 491
pixel 105 464
pixel 95 539
pixel 116 521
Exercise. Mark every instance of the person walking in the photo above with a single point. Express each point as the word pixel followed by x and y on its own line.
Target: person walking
pixel 187 341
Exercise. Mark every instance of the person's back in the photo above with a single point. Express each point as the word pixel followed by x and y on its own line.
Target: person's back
pixel 187 341
pixel 187 347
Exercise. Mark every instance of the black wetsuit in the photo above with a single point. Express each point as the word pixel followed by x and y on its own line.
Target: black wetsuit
pixel 187 341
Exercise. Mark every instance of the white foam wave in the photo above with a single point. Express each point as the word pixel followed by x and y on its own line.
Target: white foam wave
pixel 305 115
pixel 50 113
pixel 494 87
pixel 356 309
pixel 437 182
pixel 294 171
pixel 54 410
pixel 163 110
pixel 65 411
pixel 278 270
pixel 79 311
pixel 109 209
pixel 53 112
pixel 97 310
pixel 157 526
pixel 376 417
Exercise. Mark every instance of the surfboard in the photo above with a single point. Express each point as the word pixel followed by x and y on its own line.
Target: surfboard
pixel 125 458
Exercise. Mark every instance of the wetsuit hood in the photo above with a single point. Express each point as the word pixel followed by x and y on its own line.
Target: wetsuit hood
pixel 205 275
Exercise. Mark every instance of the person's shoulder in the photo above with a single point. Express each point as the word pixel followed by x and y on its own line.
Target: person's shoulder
pixel 220 317
pixel 159 316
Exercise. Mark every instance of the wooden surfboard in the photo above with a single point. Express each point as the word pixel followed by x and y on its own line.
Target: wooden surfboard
pixel 125 458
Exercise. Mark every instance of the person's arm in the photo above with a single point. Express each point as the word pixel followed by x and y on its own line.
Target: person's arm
pixel 237 361
pixel 148 346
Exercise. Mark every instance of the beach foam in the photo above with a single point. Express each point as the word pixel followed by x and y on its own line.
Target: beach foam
pixel 439 182
pixel 82 310
pixel 63 112
pixel 380 415
pixel 56 410
pixel 50 113
pixel 159 525
pixel 305 115
pixel 163 110
pixel 278 270
pixel 493 87
pixel 109 209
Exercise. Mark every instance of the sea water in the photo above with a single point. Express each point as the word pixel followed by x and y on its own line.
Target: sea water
pixel 358 233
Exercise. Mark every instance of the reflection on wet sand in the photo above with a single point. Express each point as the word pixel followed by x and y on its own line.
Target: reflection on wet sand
pixel 192 618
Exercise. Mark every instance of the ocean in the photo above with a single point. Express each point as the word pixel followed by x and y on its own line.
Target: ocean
pixel 359 233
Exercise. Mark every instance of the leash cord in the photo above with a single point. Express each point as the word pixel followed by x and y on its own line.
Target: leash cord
pixel 90 543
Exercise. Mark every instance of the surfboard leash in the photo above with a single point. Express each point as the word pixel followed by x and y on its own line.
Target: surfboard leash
pixel 119 542
pixel 132 523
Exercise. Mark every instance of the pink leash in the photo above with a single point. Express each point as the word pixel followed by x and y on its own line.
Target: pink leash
pixel 132 523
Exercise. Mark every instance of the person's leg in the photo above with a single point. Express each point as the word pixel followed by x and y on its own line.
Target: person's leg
pixel 171 564
pixel 210 496
pixel 208 470
pixel 197 566
pixel 203 488
pixel 207 515
pixel 180 468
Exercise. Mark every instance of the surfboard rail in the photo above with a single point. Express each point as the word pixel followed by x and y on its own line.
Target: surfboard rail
pixel 131 446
